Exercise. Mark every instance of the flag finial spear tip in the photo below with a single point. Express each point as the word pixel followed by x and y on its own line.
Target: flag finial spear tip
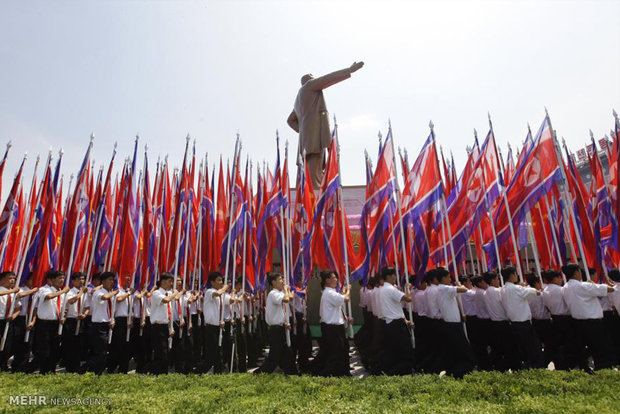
pixel 379 135
pixel 591 135
pixel 613 111
pixel 9 145
pixel 146 147
pixel 546 112
pixel 431 125
pixel 92 136
pixel 187 137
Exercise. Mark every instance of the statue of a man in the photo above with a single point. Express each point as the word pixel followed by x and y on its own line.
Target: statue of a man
pixel 311 120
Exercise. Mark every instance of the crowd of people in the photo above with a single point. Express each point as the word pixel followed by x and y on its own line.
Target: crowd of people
pixel 487 322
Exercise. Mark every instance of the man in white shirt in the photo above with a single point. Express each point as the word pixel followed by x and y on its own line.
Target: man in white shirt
pixel 334 342
pixel 70 341
pixel 503 354
pixel 457 356
pixel 421 327
pixel 22 349
pixel 541 318
pixel 278 320
pixel 431 362
pixel 101 323
pixel 515 300
pixel 582 300
pixel 212 309
pixel 46 346
pixel 180 351
pixel 563 346
pixel 119 348
pixel 614 300
pixel 161 315
pixel 363 337
pixel 8 312
pixel 378 328
pixel 480 324
pixel 140 331
pixel 302 341
pixel 398 353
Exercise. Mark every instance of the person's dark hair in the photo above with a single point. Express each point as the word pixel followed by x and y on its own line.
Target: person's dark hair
pixel 272 277
pixel 614 274
pixel 507 272
pixel 591 270
pixel 78 275
pixel 213 276
pixel 489 277
pixel 387 271
pixel 53 274
pixel 6 273
pixel 570 270
pixel 430 276
pixel 532 279
pixel 464 279
pixel 325 276
pixel 108 275
pixel 412 279
pixel 96 276
pixel 441 272
pixel 476 280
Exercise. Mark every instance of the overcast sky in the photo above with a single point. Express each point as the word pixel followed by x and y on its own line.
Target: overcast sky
pixel 215 68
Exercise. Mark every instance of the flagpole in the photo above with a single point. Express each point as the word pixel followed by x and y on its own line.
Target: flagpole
pixel 71 258
pixel 344 230
pixel 483 259
pixel 509 215
pixel 534 245
pixel 567 198
pixel 133 276
pixel 553 235
pixel 402 234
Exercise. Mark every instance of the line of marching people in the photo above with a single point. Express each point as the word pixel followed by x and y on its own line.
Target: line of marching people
pixel 487 323
pixel 105 326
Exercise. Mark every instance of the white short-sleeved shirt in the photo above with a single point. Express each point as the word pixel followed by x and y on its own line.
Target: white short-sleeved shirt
pixel 226 314
pixel 468 300
pixel 493 302
pixel 3 303
pixel 420 303
pixel 25 301
pixel 432 301
pixel 72 309
pixel 101 309
pixel 47 310
pixel 553 299
pixel 212 307
pixel 582 299
pixel 515 300
pixel 614 297
pixel 538 308
pixel 605 304
pixel 178 308
pixel 160 311
pixel 448 306
pixel 376 303
pixel 331 307
pixel 193 306
pixel 274 309
pixel 391 303
pixel 138 304
pixel 121 308
pixel 481 306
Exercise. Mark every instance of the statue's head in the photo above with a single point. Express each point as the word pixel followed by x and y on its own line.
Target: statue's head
pixel 307 77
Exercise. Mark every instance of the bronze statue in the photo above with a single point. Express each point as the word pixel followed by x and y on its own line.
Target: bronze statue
pixel 311 120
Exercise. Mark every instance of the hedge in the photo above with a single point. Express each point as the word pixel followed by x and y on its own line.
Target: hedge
pixel 480 392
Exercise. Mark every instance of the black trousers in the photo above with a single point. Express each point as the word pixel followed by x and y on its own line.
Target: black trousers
pixel 7 351
pixel 251 344
pixel 302 342
pixel 528 345
pixel 477 332
pixel 119 348
pixel 140 345
pixel 457 355
pixel 542 327
pixel 21 349
pixel 593 335
pixel 336 352
pixel 377 350
pixel 46 346
pixel 399 357
pixel 98 335
pixel 213 350
pixel 503 355
pixel 159 342
pixel 70 346
pixel 181 353
pixel 241 353
pixel 197 340
pixel 612 326
pixel 279 354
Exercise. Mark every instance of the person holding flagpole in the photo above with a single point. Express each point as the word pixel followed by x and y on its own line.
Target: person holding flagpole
pixel 102 321
pixel 8 314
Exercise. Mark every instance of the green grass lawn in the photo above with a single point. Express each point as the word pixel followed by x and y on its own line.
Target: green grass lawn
pixel 533 391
